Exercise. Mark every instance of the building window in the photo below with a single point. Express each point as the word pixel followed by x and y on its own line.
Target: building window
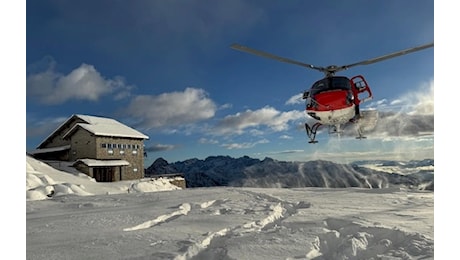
pixel 134 169
pixel 114 146
pixel 129 146
pixel 134 151
pixel 104 145
pixel 110 151
pixel 122 152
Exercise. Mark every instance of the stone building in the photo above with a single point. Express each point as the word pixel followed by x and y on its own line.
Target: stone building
pixel 103 148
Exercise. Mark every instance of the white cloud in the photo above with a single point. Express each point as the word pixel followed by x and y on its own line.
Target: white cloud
pixel 409 115
pixel 296 99
pixel 171 109
pixel 82 83
pixel 396 102
pixel 159 147
pixel 225 106
pixel 286 152
pixel 207 141
pixel 267 116
pixel 419 101
pixel 422 100
pixel 42 126
pixel 245 145
pixel 256 132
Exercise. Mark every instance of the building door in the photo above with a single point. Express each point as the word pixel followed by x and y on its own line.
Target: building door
pixel 103 174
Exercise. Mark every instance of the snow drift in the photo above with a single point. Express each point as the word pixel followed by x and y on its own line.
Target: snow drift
pixel 44 181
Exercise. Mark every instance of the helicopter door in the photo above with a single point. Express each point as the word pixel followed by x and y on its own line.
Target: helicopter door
pixel 361 90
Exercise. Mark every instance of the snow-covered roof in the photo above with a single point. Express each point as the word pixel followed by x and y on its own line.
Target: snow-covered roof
pixel 94 162
pixel 102 126
pixel 51 149
pixel 97 125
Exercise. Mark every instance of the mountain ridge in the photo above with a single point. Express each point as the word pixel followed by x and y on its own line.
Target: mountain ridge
pixel 250 172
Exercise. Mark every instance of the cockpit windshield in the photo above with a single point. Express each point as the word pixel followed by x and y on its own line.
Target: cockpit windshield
pixel 330 83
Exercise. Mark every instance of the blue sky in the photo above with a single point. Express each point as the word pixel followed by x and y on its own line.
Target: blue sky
pixel 166 69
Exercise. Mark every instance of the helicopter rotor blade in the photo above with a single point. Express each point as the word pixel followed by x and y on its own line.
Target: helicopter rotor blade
pixel 387 56
pixel 275 57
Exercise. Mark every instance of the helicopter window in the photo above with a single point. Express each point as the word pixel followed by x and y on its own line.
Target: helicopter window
pixel 360 84
pixel 341 83
pixel 319 86
pixel 330 83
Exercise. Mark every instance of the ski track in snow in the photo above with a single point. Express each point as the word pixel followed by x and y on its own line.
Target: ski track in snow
pixel 184 209
pixel 340 239
pixel 277 212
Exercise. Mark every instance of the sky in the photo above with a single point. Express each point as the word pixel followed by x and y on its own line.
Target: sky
pixel 166 69
pixel 85 219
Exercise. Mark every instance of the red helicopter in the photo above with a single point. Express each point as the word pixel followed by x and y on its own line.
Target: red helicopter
pixel 334 100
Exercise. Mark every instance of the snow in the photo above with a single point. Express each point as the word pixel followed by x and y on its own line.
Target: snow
pixel 43 180
pixel 108 127
pixel 52 149
pixel 152 219
pixel 94 162
pixel 99 126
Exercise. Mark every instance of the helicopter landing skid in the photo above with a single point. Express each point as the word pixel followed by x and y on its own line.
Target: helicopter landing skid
pixel 311 132
pixel 360 133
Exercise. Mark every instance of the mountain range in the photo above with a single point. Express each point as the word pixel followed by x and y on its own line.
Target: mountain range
pixel 269 173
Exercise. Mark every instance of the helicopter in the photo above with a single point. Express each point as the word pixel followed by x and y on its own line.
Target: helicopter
pixel 334 101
